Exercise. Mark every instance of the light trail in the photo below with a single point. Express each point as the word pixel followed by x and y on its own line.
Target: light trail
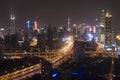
pixel 23 73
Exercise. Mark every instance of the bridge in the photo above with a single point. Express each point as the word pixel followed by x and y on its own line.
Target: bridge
pixel 26 72
pixel 21 55
pixel 59 57
pixel 101 53
pixel 30 71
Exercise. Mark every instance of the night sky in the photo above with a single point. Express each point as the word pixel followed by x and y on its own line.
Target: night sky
pixel 55 12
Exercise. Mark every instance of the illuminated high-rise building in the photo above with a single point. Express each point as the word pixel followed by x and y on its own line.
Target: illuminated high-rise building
pixel 35 25
pixel 68 25
pixel 101 28
pixel 102 19
pixel 108 30
pixel 12 26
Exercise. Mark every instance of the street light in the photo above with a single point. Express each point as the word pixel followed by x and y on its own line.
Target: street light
pixel 118 37
pixel 14 69
pixel 5 72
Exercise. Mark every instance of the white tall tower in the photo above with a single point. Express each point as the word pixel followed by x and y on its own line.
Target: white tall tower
pixel 12 28
pixel 68 26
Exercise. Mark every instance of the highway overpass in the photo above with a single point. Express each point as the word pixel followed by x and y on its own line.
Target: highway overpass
pixel 61 55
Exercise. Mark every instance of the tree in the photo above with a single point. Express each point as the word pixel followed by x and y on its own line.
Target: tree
pixel 46 70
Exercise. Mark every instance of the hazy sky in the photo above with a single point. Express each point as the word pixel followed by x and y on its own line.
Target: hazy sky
pixel 57 11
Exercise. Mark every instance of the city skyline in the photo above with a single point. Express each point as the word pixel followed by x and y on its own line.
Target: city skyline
pixel 59 40
pixel 57 12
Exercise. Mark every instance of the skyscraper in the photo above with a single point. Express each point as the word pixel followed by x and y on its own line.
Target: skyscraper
pixel 102 27
pixel 108 30
pixel 68 26
pixel 102 19
pixel 12 26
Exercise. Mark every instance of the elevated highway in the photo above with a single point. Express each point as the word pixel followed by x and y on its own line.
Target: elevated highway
pixel 20 74
pixel 101 53
pixel 60 56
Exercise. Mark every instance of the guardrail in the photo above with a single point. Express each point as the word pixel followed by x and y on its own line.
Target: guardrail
pixel 17 75
pixel 21 72
pixel 105 52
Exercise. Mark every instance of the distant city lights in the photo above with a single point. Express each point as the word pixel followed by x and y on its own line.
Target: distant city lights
pixel 90 36
pixel 28 24
pixel 35 25
pixel 2 29
pixel 55 73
